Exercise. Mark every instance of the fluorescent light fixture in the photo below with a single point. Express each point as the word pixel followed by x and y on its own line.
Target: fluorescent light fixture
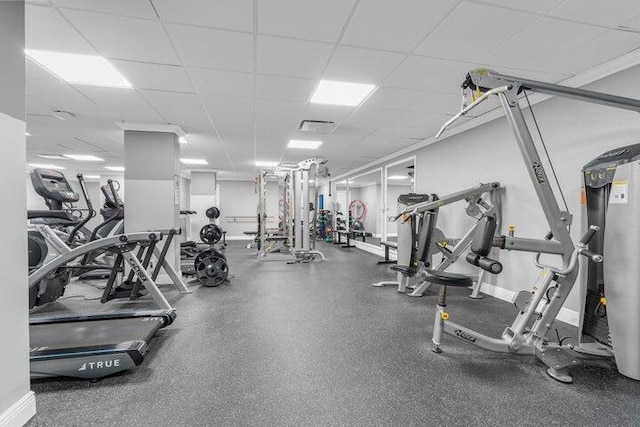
pixel 309 145
pixel 264 164
pixel 397 177
pixel 88 70
pixel 27 134
pixel 115 168
pixel 52 156
pixel 182 140
pixel 91 176
pixel 41 166
pixel 341 93
pixel 84 157
pixel 194 161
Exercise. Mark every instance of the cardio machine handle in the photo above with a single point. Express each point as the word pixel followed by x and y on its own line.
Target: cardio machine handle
pixel 588 235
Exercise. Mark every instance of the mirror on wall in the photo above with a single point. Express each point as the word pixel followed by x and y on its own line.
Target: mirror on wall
pixel 400 179
pixel 365 207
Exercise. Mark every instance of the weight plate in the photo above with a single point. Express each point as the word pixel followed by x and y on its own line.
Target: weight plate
pixel 210 234
pixel 212 271
pixel 213 213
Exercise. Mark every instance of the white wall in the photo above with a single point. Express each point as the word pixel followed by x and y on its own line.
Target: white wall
pixel 393 192
pixel 239 199
pixel 574 133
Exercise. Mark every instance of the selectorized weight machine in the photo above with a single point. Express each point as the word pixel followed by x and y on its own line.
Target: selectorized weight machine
pixel 295 238
pixel 419 239
pixel 539 307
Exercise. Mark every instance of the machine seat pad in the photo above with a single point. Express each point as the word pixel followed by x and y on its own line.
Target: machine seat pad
pixel 448 279
pixel 407 270
pixel 188 244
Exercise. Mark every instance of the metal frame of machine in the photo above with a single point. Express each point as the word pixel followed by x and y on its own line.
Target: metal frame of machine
pixel 477 207
pixel 297 234
pixel 540 306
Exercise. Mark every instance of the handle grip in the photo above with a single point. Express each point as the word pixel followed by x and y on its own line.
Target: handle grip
pixel 589 234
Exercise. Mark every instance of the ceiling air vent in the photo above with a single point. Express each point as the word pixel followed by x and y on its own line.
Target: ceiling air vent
pixel 317 126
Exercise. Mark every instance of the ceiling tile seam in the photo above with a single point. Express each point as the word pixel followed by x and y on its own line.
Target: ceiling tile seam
pixel 511 8
pixel 206 111
pixel 117 15
pixel 406 56
pixel 153 6
pixel 335 45
pixel 595 74
pixel 98 51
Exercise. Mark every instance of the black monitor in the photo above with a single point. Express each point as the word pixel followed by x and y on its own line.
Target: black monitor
pixel 53 187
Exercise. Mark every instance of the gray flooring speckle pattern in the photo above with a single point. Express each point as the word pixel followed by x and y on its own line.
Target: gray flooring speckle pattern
pixel 316 345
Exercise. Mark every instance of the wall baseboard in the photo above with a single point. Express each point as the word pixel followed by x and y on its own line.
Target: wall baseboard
pixel 20 412
pixel 565 315
pixel 240 237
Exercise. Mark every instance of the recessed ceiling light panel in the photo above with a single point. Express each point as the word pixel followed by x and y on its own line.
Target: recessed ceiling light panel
pixel 84 157
pixel 309 145
pixel 397 177
pixel 266 164
pixel 52 156
pixel 88 70
pixel 194 161
pixel 341 93
pixel 115 168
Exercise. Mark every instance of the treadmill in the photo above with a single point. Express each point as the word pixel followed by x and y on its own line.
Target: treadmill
pixel 93 346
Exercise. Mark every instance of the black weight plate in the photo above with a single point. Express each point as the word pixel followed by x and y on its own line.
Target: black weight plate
pixel 210 234
pixel 213 213
pixel 212 271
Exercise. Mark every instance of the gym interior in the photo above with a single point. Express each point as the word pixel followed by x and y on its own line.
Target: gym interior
pixel 315 213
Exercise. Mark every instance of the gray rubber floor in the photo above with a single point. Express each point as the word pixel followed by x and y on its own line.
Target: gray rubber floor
pixel 316 345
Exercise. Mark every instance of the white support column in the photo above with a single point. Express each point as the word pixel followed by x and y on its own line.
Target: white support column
pixel 152 182
pixel 17 402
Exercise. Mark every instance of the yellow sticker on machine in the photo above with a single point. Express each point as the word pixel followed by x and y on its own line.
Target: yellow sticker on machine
pixel 619 193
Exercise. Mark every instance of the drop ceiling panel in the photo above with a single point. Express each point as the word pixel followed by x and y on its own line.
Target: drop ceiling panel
pixel 35 72
pixel 183 109
pixel 155 76
pixel 633 23
pixel 37 108
pixel 294 58
pixel 228 14
pixel 435 102
pixel 610 45
pixel 46 29
pixel 332 113
pixel 284 88
pixel 279 110
pixel 124 38
pixel 394 99
pixel 233 120
pixel 395 25
pixel 542 44
pixel 537 6
pixel 60 96
pixel 304 19
pixel 220 82
pixel 233 136
pixel 211 48
pixel 361 65
pixel 126 105
pixel 430 74
pixel 465 35
pixel 133 8
pixel 227 104
pixel 597 12
pixel 374 116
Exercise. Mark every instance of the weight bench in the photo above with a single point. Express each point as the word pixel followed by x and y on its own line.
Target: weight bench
pixel 348 234
pixel 362 234
pixel 388 245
